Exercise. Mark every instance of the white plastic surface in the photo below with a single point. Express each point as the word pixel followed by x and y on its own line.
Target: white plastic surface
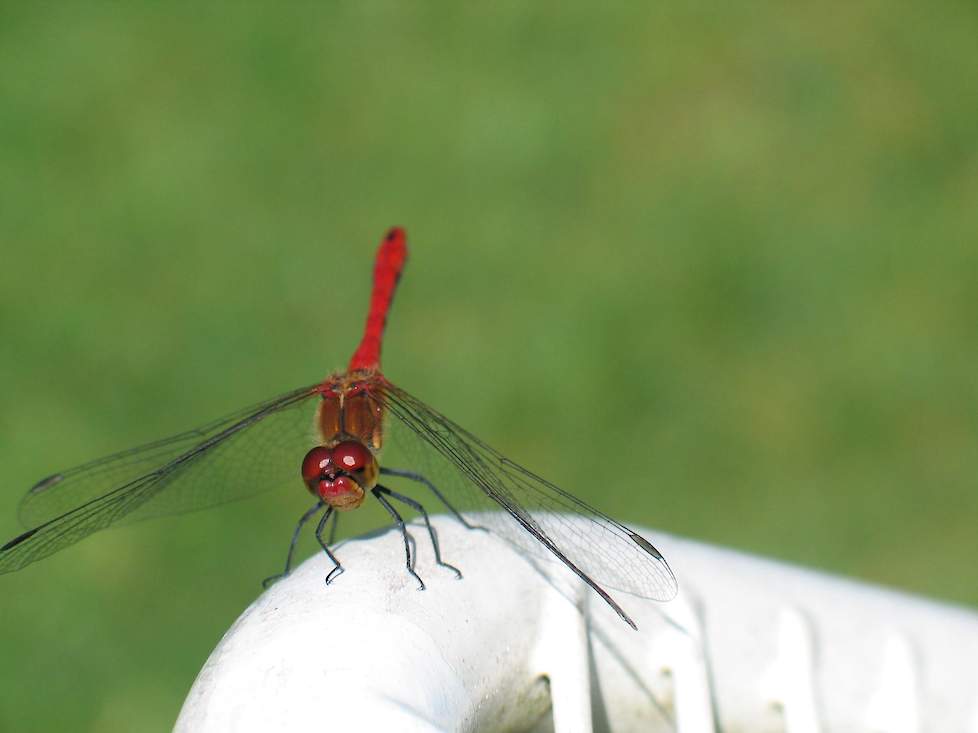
pixel 749 645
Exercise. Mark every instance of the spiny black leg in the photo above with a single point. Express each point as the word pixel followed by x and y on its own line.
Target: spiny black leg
pixel 376 491
pixel 332 529
pixel 295 538
pixel 431 532
pixel 337 568
pixel 411 476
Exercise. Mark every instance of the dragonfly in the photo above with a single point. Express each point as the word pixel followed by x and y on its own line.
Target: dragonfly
pixel 331 435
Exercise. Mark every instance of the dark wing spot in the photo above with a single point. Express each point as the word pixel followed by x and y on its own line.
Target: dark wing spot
pixel 18 539
pixel 46 483
pixel 646 545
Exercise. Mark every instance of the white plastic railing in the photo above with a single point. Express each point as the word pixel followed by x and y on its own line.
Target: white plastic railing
pixel 749 645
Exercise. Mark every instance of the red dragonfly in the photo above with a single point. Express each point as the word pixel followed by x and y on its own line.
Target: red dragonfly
pixel 344 419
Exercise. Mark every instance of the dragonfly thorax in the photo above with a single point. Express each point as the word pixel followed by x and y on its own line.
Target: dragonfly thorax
pixel 351 408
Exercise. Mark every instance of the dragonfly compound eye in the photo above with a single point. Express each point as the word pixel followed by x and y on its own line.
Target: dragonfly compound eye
pixel 351 456
pixel 316 463
pixel 354 458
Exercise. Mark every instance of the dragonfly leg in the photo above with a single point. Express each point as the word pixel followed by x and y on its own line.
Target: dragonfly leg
pixel 295 538
pixel 431 532
pixel 332 529
pixel 376 491
pixel 411 476
pixel 337 568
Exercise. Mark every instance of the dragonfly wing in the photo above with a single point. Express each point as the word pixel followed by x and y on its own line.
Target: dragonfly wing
pixel 238 456
pixel 61 492
pixel 538 517
pixel 259 452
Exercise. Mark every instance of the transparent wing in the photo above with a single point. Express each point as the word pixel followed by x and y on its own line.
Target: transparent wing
pixel 59 493
pixel 535 518
pixel 240 455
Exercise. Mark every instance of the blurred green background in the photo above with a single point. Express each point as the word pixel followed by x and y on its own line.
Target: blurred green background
pixel 713 268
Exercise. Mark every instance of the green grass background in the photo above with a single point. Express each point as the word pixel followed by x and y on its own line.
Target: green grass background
pixel 711 267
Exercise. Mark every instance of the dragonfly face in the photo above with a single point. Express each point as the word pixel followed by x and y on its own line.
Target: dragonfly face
pixel 341 475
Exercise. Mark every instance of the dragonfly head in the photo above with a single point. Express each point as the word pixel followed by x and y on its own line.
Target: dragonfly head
pixel 340 475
